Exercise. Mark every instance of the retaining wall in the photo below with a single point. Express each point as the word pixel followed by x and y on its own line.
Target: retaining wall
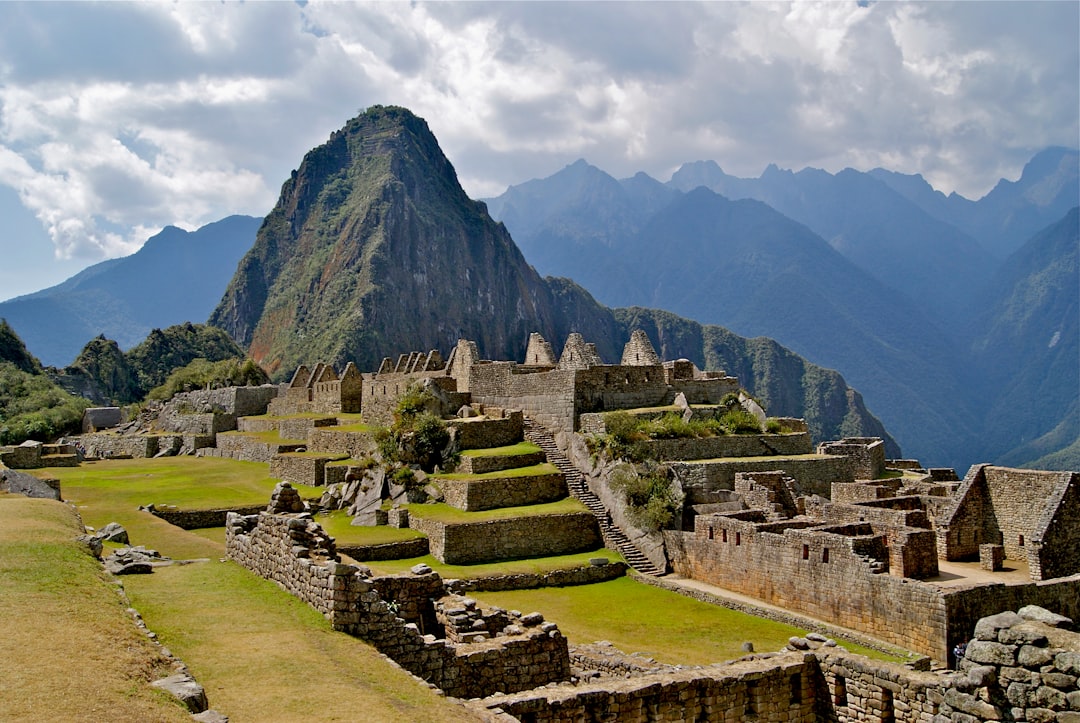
pixel 468 543
pixel 474 495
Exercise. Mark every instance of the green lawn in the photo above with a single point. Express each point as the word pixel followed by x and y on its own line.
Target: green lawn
pixel 505 567
pixel 271 436
pixel 445 513
pixel 508 451
pixel 636 617
pixel 113 490
pixel 534 470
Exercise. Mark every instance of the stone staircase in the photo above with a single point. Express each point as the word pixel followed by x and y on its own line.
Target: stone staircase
pixel 614 538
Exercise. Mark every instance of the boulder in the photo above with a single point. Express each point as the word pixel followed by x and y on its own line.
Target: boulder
pixel 186 690
pixel 113 532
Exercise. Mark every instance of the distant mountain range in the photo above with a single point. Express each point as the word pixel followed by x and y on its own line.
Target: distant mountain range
pixel 874 274
pixel 176 276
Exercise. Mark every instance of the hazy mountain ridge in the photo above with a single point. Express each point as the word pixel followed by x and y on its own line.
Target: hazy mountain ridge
pixel 732 263
pixel 176 276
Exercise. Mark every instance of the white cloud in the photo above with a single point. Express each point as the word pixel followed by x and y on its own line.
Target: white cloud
pixel 116 119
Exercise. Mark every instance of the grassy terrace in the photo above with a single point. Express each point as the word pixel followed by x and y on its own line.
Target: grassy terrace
pixel 536 469
pixel 508 451
pixel 317 455
pixel 669 627
pixel 112 490
pixel 445 513
pixel 503 567
pixel 351 427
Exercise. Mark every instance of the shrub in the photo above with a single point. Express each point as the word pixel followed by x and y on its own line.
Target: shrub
pixel 33 407
pixel 773 426
pixel 417 436
pixel 651 498
pixel 738 421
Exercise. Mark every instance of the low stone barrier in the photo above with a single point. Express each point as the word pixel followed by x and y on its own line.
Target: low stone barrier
pixel 301 468
pixel 199 519
pixel 401 550
pixel 730 445
pixel 586 575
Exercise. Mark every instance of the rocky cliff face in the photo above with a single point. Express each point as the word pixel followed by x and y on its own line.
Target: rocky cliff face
pixel 374 249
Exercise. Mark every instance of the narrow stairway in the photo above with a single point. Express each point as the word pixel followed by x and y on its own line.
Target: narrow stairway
pixel 614 538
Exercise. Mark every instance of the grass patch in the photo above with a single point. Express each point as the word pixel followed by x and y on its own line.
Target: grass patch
pixel 536 565
pixel 667 626
pixel 351 427
pixel 258 648
pixel 112 491
pixel 534 470
pixel 507 451
pixel 329 456
pixel 445 513
pixel 338 525
pixel 70 652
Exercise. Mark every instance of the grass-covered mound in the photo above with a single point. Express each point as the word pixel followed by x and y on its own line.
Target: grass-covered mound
pixel 69 651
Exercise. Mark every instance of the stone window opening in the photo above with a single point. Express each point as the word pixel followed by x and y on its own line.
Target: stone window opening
pixel 1021 540
pixel 806 552
pixel 627 378
pixel 796 689
pixel 887 709
pixel 738 539
pixel 750 707
pixel 825 554
pixel 710 533
pixel 723 535
pixel 840 691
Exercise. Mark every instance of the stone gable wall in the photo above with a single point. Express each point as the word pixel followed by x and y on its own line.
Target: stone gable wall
pixel 1058 554
pixel 542 536
pixel 498 492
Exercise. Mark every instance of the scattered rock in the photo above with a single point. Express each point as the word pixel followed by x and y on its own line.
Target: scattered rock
pixel 186 690
pixel 112 532
pixel 422 569
pixel 1042 615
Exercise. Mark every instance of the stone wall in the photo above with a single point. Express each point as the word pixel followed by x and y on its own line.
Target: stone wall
pixel 779 689
pixel 474 495
pixel 107 444
pixel 357 445
pixel 401 550
pixel 497 429
pixel 586 575
pixel 479 464
pixel 304 468
pixel 95 418
pixel 733 445
pixel 537 536
pixel 199 519
pixel 249 449
pixel 302 427
pixel 547 396
pixel 840 578
pixel 1019 509
pixel 815 474
pixel 294 552
pixel 855 688
pixel 383 391
pixel 867 455
pixel 236 401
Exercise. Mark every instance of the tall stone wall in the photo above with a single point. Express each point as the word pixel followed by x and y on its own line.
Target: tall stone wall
pixel 829 576
pixel 382 392
pixel 730 445
pixel 1057 554
pixel 492 540
pixel 867 455
pixel 548 396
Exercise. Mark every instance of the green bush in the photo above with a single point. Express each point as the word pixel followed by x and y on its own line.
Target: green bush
pixel 773 426
pixel 652 502
pixel 417 436
pixel 32 407
pixel 739 421
pixel 202 373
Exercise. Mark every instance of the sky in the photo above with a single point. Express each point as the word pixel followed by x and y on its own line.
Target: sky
pixel 117 119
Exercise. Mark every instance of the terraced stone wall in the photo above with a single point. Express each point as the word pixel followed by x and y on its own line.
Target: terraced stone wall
pixel 498 492
pixel 547 396
pixel 500 428
pixel 732 445
pixel 814 474
pixel 539 536
pixel 357 445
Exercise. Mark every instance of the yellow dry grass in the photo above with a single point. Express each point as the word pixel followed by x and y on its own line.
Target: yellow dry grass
pixel 69 651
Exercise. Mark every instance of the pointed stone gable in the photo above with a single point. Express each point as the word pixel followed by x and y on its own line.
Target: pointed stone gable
pixel 577 354
pixel 326 374
pixel 315 374
pixel 300 378
pixel 539 352
pixel 639 351
pixel 351 373
pixel 434 361
pixel 387 366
